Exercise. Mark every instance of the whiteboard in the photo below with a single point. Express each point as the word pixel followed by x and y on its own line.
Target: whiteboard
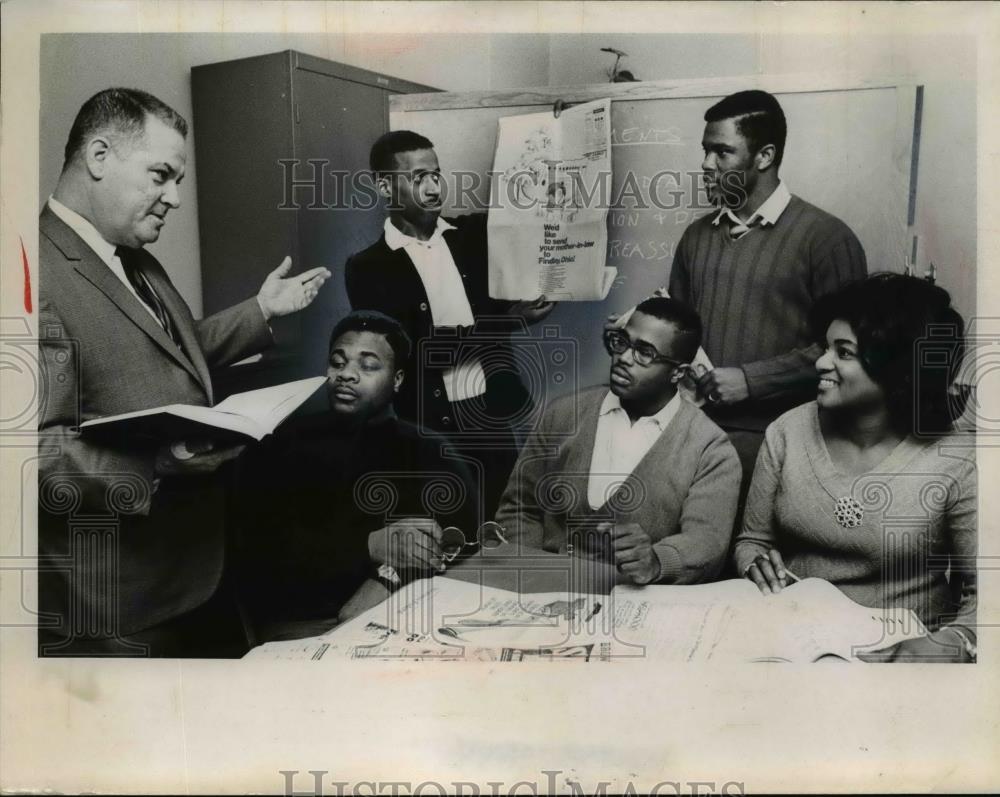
pixel 849 151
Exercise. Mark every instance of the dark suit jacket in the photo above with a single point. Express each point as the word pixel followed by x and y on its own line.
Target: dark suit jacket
pixel 379 278
pixel 155 547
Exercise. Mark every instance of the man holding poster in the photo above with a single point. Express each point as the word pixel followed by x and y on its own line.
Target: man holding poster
pixel 430 274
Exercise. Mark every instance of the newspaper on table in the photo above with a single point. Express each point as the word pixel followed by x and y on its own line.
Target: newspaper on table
pixel 446 619
pixel 729 621
pixel 548 218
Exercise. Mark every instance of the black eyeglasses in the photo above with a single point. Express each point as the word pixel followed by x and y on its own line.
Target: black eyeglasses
pixel 645 354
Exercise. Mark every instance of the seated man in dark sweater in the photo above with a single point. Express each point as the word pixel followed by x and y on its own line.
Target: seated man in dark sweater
pixel 352 494
pixel 642 480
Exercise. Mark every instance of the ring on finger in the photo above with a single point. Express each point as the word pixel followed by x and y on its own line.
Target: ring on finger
pixel 753 563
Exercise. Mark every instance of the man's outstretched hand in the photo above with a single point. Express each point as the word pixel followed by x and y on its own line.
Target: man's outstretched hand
pixel 281 295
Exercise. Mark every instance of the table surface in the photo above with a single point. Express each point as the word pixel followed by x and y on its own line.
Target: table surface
pixel 523 569
pixel 511 567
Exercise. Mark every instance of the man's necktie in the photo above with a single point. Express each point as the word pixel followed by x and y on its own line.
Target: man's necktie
pixel 130 264
pixel 737 229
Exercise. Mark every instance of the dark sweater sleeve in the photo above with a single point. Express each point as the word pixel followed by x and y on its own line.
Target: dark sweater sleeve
pixel 698 552
pixel 448 485
pixel 836 259
pixel 292 544
pixel 679 283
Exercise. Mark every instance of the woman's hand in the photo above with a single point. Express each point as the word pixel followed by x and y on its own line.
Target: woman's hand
pixel 767 571
pixel 944 646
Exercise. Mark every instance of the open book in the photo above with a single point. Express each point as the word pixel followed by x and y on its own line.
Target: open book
pixel 728 621
pixel 734 621
pixel 253 414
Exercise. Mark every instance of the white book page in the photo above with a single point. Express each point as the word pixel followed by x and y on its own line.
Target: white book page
pixel 269 406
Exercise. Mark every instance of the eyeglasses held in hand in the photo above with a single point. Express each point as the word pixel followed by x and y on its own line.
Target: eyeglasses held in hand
pixel 490 535
pixel 645 354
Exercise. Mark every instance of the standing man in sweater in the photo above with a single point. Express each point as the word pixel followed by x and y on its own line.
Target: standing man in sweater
pixel 753 269
pixel 644 481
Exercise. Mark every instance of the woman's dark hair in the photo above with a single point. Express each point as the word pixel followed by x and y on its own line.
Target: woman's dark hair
pixel 910 342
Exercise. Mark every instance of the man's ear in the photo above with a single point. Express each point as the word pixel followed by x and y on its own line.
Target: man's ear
pixel 764 159
pixel 397 381
pixel 384 184
pixel 96 156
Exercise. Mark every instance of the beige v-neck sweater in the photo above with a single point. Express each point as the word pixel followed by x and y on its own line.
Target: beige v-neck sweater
pixel 916 545
pixel 683 492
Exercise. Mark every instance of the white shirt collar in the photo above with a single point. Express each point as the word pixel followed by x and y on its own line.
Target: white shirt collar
pixel 662 419
pixel 396 239
pixel 768 212
pixel 87 231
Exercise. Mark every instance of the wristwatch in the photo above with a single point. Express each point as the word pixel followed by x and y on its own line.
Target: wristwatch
pixel 389 577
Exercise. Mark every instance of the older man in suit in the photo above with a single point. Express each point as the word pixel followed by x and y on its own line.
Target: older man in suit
pixel 131 533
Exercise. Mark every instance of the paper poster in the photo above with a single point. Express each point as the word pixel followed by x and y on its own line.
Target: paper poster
pixel 548 219
pixel 443 619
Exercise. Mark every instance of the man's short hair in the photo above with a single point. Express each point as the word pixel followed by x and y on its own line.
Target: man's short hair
pixel 382 158
pixel 684 318
pixel 121 111
pixel 380 324
pixel 759 119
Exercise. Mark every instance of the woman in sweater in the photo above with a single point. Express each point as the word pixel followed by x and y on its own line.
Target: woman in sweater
pixel 867 487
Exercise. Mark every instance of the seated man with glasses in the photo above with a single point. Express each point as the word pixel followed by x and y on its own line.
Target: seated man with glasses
pixel 632 475
pixel 348 495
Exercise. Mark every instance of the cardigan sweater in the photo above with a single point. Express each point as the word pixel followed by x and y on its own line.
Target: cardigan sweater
pixel 754 295
pixel 916 544
pixel 683 492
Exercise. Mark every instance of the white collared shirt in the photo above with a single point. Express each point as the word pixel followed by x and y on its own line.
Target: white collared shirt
pixel 449 304
pixel 104 250
pixel 768 213
pixel 619 445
